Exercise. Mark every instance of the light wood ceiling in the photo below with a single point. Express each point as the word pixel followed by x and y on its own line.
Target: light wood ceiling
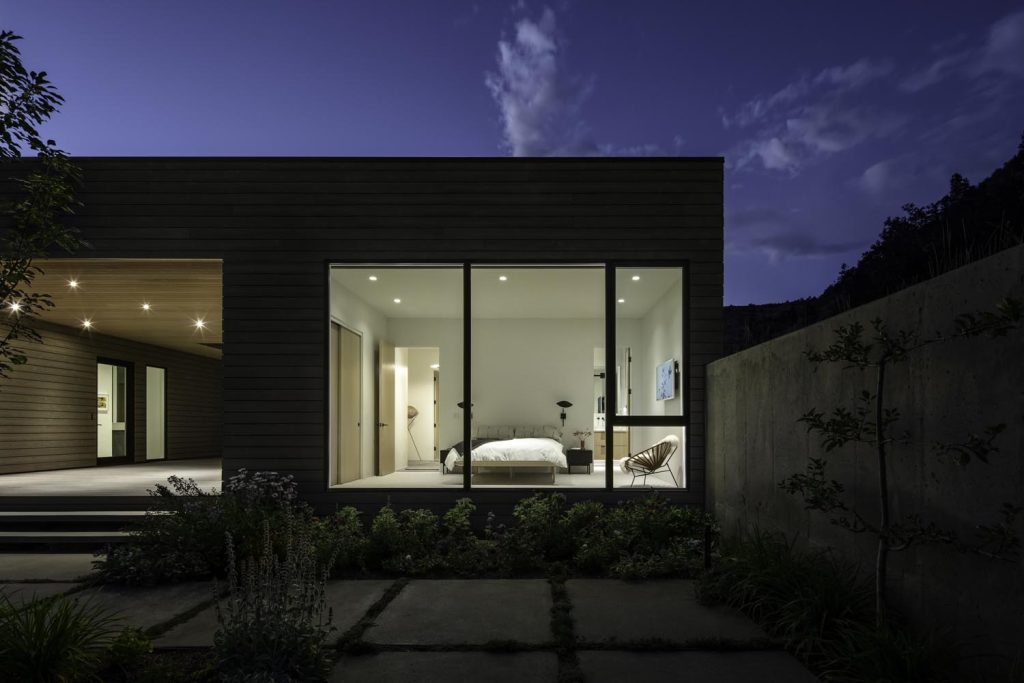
pixel 111 293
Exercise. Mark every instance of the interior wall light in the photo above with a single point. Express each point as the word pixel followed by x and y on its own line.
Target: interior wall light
pixel 463 406
pixel 563 405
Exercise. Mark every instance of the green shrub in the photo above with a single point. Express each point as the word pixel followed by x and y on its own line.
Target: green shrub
pixel 182 536
pixel 341 536
pixel 462 551
pixel 274 623
pixel 404 542
pixel 643 538
pixel 57 639
pixel 823 610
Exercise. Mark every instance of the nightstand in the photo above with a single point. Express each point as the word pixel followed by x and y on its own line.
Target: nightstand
pixel 580 457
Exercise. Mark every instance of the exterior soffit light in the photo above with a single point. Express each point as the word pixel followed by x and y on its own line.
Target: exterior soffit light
pixel 73 283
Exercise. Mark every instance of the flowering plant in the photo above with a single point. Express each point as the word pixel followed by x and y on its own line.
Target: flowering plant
pixel 582 435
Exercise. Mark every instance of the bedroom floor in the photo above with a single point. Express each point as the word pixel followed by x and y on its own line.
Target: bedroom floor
pixel 417 479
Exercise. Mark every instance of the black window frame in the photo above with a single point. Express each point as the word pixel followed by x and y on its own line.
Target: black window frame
pixel 612 420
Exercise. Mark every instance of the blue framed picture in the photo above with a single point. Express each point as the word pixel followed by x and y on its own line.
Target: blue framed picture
pixel 665 380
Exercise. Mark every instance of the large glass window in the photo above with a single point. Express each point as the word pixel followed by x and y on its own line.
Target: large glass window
pixel 537 374
pixel 547 404
pixel 395 377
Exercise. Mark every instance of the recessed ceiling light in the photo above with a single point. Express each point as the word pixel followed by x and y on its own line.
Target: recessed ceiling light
pixel 146 306
pixel 397 301
pixel 73 283
pixel 435 366
pixel 372 278
pixel 503 278
pixel 15 306
pixel 622 301
pixel 199 324
pixel 86 324
pixel 635 278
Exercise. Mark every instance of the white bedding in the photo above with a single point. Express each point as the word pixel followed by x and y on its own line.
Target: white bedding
pixel 513 450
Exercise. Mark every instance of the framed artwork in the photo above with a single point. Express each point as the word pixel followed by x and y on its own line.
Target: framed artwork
pixel 102 403
pixel 665 380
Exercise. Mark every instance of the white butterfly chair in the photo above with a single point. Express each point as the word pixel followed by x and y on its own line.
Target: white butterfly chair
pixel 652 460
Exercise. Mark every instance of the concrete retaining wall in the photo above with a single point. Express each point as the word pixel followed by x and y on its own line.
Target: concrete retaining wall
pixel 756 396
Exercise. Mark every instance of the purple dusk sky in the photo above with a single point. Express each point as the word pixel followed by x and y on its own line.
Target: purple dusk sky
pixel 830 115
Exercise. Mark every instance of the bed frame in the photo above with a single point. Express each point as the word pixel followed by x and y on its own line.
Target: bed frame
pixel 512 465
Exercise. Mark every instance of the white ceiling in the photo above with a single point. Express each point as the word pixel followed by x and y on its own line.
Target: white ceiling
pixel 561 292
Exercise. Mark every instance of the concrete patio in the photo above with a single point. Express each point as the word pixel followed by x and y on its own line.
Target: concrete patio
pixel 122 480
pixel 444 630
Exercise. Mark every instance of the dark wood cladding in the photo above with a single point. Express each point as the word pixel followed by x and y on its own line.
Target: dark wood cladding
pixel 277 222
pixel 48 405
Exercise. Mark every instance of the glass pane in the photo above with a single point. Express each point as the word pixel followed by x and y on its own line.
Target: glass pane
pixel 395 375
pixel 656 458
pixel 538 375
pixel 649 337
pixel 156 413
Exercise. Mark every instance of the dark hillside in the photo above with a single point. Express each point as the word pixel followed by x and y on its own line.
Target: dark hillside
pixel 968 223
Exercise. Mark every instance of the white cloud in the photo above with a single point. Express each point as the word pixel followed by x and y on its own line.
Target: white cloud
pixel 1001 53
pixel 877 178
pixel 856 75
pixel 539 105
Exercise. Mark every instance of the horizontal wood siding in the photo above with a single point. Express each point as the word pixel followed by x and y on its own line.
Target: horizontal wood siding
pixel 277 222
pixel 48 405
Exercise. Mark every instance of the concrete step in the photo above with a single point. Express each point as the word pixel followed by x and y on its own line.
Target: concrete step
pixel 62 540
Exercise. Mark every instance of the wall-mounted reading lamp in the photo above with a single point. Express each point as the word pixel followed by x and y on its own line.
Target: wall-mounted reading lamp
pixel 563 405
pixel 463 406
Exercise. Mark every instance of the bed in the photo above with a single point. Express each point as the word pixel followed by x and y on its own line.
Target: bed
pixel 512 448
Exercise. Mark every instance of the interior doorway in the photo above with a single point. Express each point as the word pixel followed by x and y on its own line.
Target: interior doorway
pixel 346 403
pixel 417 377
pixel 114 412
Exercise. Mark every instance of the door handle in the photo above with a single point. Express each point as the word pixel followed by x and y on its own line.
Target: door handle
pixel 382 424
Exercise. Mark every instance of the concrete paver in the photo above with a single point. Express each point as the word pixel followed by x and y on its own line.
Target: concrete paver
pixel 466 611
pixel 606 610
pixel 144 608
pixel 693 667
pixel 446 667
pixel 347 600
pixel 45 566
pixel 20 593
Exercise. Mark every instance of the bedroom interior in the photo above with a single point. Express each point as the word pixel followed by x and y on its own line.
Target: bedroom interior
pixel 538 371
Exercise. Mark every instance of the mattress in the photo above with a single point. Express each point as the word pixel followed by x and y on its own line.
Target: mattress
pixel 540 450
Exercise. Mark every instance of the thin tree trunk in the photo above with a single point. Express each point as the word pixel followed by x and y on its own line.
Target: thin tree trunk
pixel 882 560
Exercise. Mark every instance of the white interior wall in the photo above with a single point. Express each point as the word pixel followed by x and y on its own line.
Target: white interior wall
pixel 354 314
pixel 522 367
pixel 399 420
pixel 421 395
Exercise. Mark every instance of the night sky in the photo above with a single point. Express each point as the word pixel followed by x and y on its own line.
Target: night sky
pixel 830 115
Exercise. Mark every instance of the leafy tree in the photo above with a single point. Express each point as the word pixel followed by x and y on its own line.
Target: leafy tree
pixel 34 225
pixel 871 422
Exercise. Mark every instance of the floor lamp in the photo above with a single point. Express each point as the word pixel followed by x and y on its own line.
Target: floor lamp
pixel 412 418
